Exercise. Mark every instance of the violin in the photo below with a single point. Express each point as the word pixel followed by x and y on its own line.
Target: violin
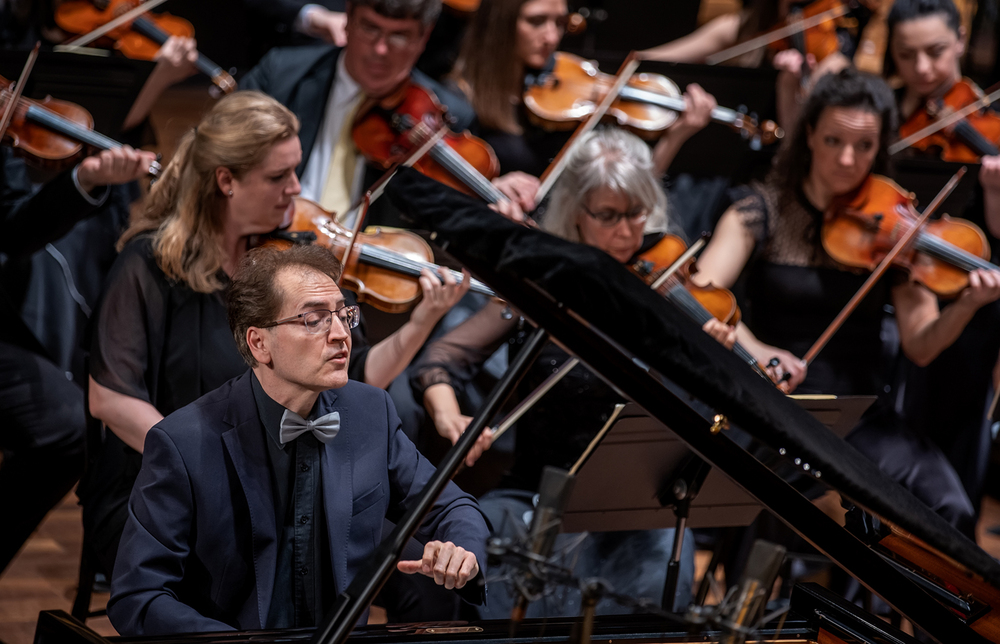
pixel 700 303
pixel 822 39
pixel 859 229
pixel 139 39
pixel 977 135
pixel 647 105
pixel 401 123
pixel 384 265
pixel 811 30
pixel 52 133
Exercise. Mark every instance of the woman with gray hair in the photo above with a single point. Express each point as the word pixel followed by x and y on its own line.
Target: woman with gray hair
pixel 609 197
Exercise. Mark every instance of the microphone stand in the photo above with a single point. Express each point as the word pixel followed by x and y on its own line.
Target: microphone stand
pixel 350 604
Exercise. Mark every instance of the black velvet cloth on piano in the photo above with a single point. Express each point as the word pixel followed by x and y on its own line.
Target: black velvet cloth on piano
pixel 595 286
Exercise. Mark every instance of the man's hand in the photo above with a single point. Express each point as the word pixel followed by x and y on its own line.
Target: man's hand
pixel 175 60
pixel 439 296
pixel 327 25
pixel 113 167
pixel 452 426
pixel 520 188
pixel 449 565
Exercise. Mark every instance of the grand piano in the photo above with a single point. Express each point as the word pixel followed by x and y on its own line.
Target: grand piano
pixel 658 358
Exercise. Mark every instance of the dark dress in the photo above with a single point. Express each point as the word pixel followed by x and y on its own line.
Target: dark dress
pixel 795 290
pixel 159 341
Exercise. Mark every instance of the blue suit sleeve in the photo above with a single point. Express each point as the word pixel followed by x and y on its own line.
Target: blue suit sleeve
pixel 154 548
pixel 454 517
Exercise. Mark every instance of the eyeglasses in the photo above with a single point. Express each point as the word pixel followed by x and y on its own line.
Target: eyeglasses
pixel 320 320
pixel 610 218
pixel 393 40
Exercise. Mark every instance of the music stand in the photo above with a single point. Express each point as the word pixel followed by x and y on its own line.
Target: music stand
pixel 661 483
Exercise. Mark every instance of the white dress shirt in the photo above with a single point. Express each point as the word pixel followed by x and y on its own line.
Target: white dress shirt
pixel 343 93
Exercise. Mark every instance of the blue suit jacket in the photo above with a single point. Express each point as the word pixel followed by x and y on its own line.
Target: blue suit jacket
pixel 200 545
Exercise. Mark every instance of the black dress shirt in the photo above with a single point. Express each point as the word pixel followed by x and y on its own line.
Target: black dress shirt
pixel 303 578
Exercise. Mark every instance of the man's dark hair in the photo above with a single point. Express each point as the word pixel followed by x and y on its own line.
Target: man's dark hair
pixel 907 10
pixel 851 89
pixel 255 300
pixel 426 11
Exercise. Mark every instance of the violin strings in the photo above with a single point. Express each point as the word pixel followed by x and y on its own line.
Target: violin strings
pixel 687 302
pixel 464 171
pixel 402 263
pixel 940 249
pixel 69 128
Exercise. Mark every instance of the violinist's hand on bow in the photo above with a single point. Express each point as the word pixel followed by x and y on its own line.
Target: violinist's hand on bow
pixel 520 188
pixel 440 293
pixel 722 332
pixel 449 565
pixel 113 167
pixel 791 65
pixel 331 26
pixel 983 288
pixel 175 60
pixel 781 363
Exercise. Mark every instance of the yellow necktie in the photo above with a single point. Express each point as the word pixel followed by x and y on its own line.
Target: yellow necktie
pixel 336 195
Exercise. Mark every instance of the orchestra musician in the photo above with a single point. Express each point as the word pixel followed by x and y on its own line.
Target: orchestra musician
pixel 160 338
pixel 257 504
pixel 325 86
pixel 757 18
pixel 43 429
pixel 797 289
pixel 946 400
pixel 531 31
pixel 609 197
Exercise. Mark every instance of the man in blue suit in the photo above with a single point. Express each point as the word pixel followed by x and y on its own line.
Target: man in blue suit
pixel 257 504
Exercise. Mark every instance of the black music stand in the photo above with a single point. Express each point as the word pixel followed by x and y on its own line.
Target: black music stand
pixel 643 457
pixel 662 483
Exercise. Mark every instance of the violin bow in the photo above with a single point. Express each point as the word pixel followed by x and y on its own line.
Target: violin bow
pixel 776 35
pixel 555 169
pixel 15 95
pixel 880 270
pixel 954 117
pixel 372 194
pixel 86 39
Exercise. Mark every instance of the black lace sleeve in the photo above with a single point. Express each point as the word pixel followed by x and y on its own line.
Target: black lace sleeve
pixel 752 205
pixel 456 357
pixel 126 339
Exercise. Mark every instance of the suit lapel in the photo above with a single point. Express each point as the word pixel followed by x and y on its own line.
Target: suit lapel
pixel 338 490
pixel 245 445
pixel 311 98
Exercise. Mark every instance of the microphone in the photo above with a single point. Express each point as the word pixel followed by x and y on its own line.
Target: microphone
pixel 553 494
pixel 743 608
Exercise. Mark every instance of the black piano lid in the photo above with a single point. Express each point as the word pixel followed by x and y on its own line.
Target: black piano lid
pixel 593 305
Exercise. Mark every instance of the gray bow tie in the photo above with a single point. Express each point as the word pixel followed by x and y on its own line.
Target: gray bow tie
pixel 323 428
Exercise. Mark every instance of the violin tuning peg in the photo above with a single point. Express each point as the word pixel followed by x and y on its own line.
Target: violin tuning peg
pixel 742 109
